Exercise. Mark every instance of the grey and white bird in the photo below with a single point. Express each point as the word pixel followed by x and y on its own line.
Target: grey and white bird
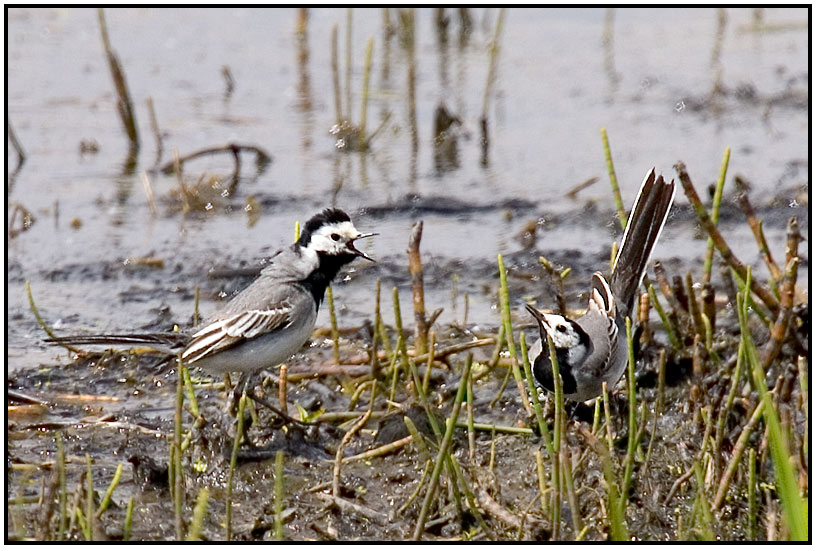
pixel 271 319
pixel 592 349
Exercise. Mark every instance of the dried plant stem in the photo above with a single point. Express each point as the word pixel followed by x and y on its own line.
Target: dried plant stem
pixel 417 287
pixel 124 105
pixel 780 328
pixel 154 125
pixel 715 214
pixel 756 228
pixel 725 251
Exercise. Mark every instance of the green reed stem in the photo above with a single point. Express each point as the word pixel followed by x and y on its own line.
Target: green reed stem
pixel 239 432
pixel 793 506
pixel 89 493
pixel 633 430
pixel 752 511
pixel 613 179
pixel 539 414
pixel 126 529
pixel 366 79
pixel 199 512
pixel 106 499
pixel 508 333
pixel 443 454
pixel 667 325
pixel 63 494
pixel 715 214
pixel 557 435
pixel 279 495
pixel 335 332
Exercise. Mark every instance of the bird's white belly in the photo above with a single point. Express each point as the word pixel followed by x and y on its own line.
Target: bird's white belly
pixel 265 351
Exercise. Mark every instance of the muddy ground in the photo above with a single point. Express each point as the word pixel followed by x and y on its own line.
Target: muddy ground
pixel 81 230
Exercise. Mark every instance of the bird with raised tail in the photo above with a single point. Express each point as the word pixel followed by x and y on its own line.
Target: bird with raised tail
pixel 591 349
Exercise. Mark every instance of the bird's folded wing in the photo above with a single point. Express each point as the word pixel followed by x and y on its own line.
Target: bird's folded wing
pixel 228 331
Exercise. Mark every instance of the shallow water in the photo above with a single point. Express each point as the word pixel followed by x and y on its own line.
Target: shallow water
pixel 556 86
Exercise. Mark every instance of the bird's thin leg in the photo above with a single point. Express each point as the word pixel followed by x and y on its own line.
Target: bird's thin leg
pixel 285 417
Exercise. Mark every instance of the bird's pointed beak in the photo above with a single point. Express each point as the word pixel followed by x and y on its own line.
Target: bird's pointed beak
pixel 358 252
pixel 545 321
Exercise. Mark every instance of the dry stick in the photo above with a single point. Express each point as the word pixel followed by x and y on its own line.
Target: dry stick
pixel 417 287
pixel 124 104
pixel 456 348
pixel 643 317
pixel 381 450
pixel 443 454
pixel 725 251
pixel 89 494
pixel 154 125
pixel 736 454
pixel 780 327
pixel 429 366
pixel 261 156
pixel 151 200
pixel 756 229
pixel 667 290
pixel 282 401
pixel 715 214
pixel 694 306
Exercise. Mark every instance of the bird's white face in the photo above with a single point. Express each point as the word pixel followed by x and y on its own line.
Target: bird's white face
pixel 337 239
pixel 561 331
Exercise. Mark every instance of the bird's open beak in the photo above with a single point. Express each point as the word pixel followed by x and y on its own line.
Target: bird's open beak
pixel 358 252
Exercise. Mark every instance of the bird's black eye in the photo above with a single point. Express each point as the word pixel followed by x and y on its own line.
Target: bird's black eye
pixel 335 237
pixel 561 328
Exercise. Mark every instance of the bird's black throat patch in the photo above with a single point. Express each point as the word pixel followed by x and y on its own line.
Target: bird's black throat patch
pixel 327 270
pixel 542 370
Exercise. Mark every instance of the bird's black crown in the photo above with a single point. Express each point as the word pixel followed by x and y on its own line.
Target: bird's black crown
pixel 326 217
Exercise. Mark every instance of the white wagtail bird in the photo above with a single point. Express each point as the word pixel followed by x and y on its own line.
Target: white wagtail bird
pixel 271 319
pixel 592 349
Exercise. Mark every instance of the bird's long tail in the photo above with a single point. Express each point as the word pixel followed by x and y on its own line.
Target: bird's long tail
pixel 643 228
pixel 169 342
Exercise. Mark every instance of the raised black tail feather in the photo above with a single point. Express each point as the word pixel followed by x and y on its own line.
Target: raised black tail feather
pixel 643 228
pixel 169 342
